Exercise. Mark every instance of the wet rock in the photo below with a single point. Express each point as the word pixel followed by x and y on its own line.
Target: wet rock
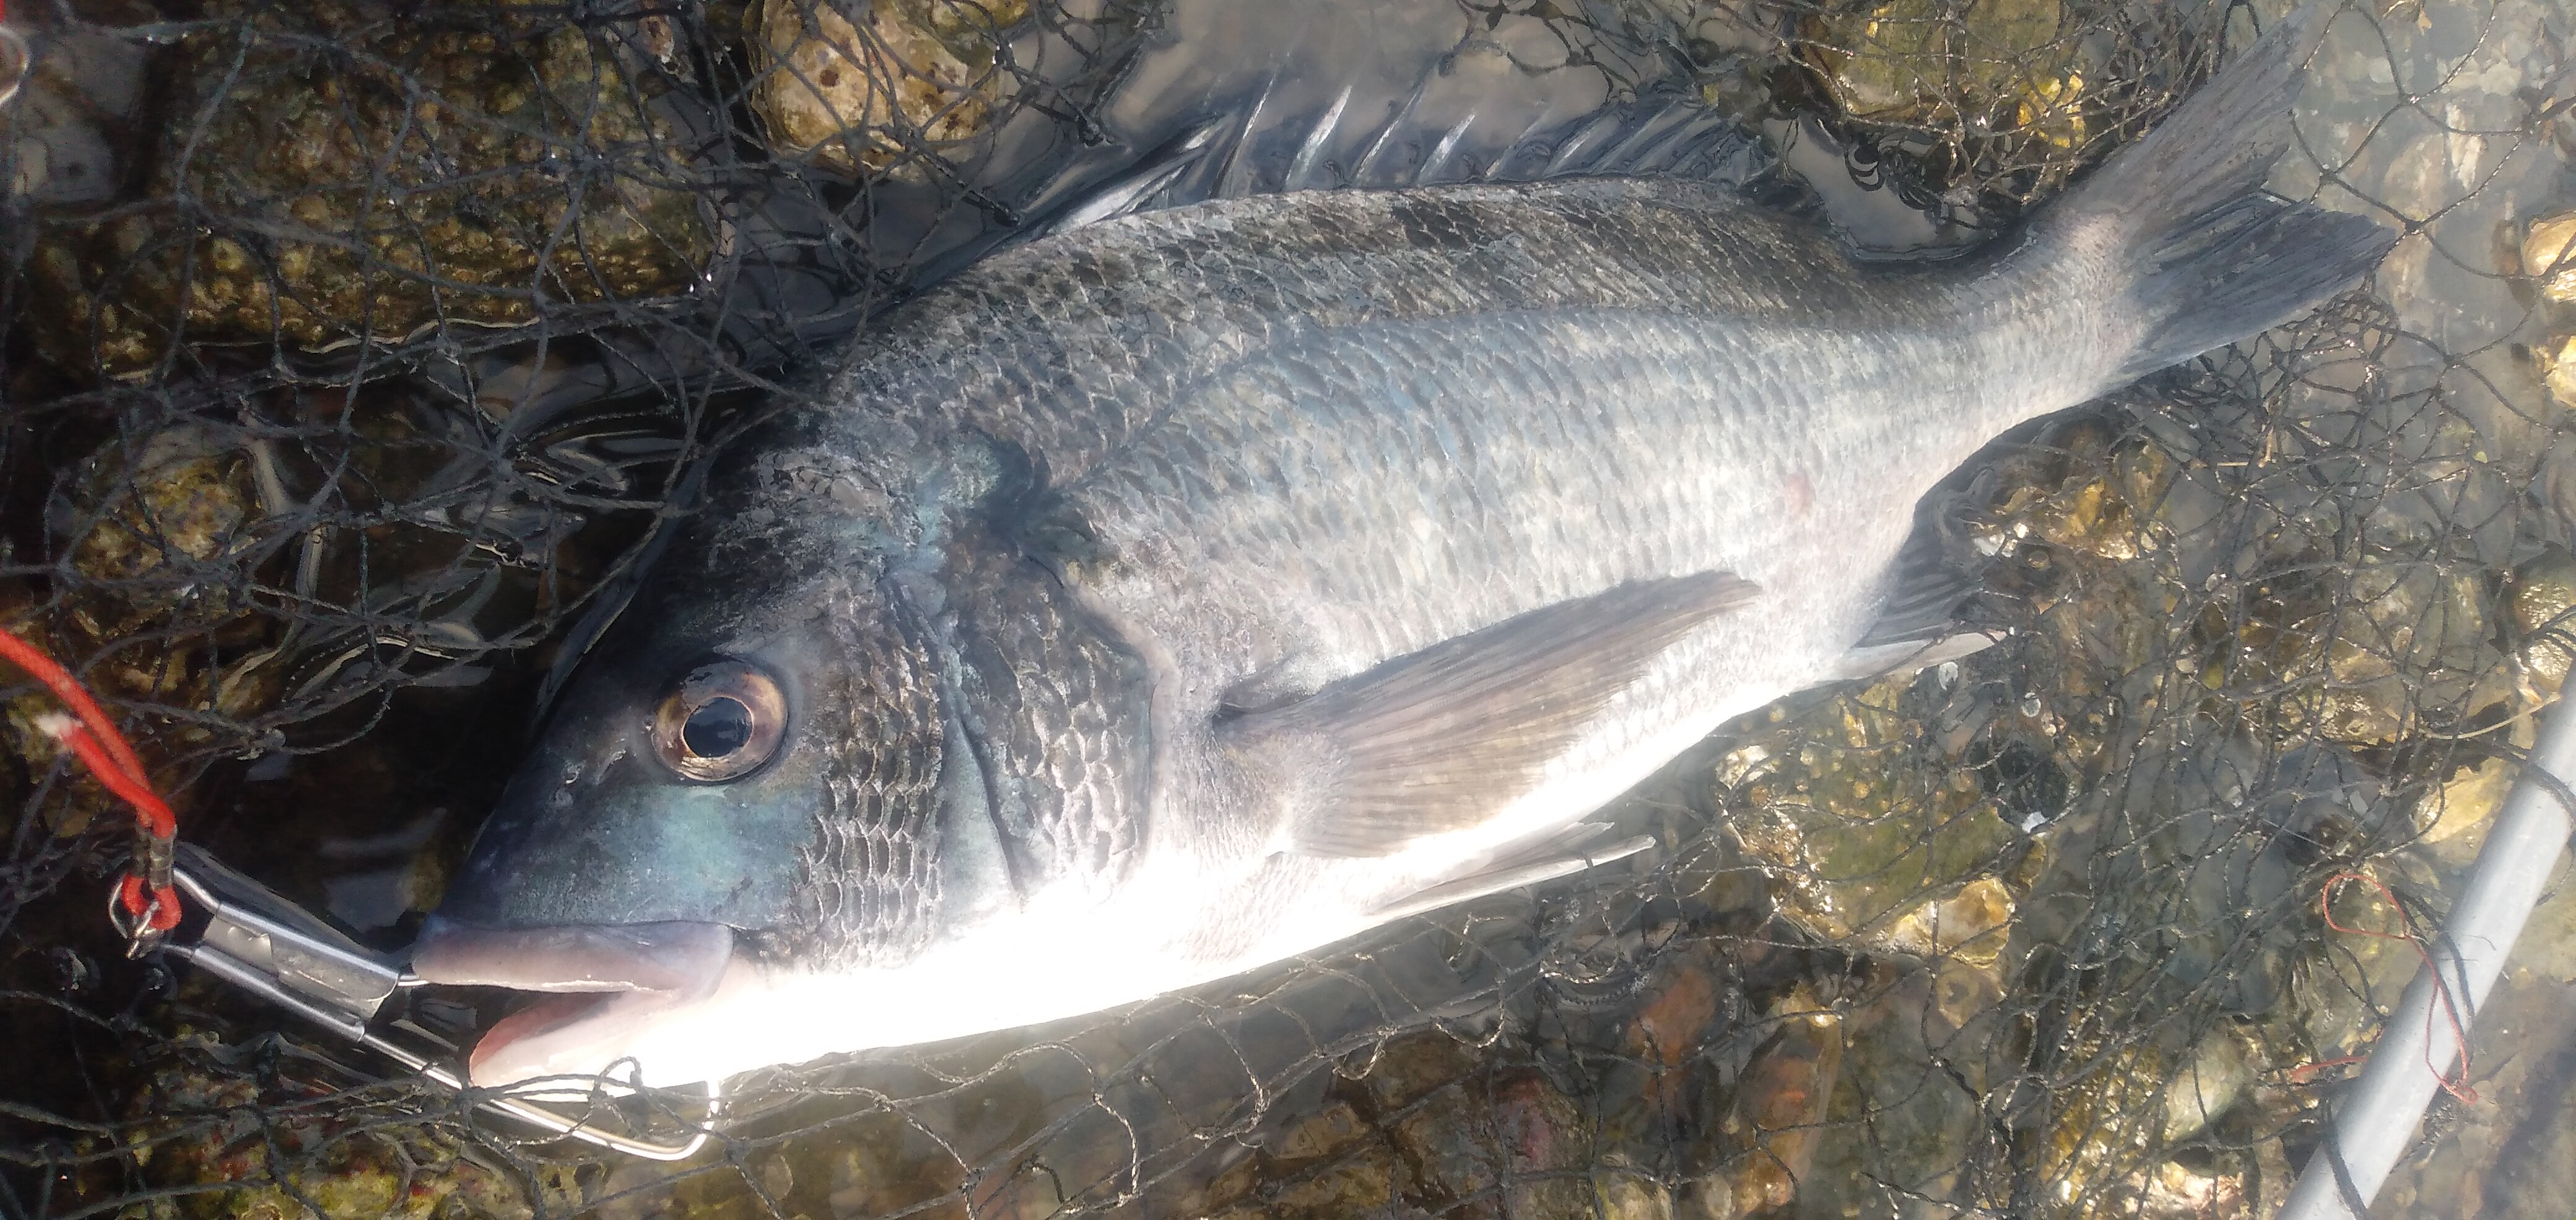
pixel 1440 1136
pixel 1333 1159
pixel 2542 592
pixel 2175 1191
pixel 1780 1107
pixel 1964 926
pixel 2453 817
pixel 2226 832
pixel 1336 1128
pixel 874 1165
pixel 1964 936
pixel 1905 57
pixel 1547 1147
pixel 879 83
pixel 2560 374
pixel 153 523
pixel 1348 1186
pixel 2103 1122
pixel 1905 1107
pixel 1671 1027
pixel 68 137
pixel 2547 259
pixel 481 166
pixel 2212 1080
pixel 2380 644
pixel 1625 1197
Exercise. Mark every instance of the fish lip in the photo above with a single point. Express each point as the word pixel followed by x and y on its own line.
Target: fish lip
pixel 639 971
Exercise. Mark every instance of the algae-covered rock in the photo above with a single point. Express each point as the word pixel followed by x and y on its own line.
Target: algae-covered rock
pixel 156 529
pixel 1853 825
pixel 229 1148
pixel 1968 69
pixel 1902 57
pixel 343 174
pixel 2458 809
pixel 1965 926
pixel 892 79
pixel 2349 982
pixel 152 522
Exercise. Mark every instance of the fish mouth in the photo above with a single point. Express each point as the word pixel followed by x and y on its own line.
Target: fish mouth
pixel 601 987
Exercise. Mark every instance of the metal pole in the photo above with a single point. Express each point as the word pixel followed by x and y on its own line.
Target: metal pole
pixel 2376 1122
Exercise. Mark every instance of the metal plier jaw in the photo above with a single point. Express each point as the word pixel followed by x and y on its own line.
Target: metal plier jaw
pixel 260 942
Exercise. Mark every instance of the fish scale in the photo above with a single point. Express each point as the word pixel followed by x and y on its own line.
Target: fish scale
pixel 1178 492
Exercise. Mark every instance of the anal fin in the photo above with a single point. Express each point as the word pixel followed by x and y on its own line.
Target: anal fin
pixel 1903 658
pixel 1525 871
pixel 1926 616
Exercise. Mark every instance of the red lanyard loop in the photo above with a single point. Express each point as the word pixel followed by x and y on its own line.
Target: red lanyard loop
pixel 145 904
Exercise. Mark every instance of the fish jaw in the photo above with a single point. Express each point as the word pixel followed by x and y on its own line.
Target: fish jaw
pixel 1061 955
pixel 604 986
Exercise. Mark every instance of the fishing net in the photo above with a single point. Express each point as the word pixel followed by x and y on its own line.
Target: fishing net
pixel 352 349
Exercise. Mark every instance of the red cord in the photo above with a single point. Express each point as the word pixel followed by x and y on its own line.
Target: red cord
pixel 2459 1032
pixel 67 688
pixel 93 739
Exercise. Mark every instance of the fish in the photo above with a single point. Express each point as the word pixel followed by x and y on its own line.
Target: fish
pixel 1197 587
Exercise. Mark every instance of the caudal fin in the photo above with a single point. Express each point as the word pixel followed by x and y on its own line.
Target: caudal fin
pixel 2217 259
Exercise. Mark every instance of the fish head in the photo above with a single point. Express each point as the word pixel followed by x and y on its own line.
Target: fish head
pixel 747 769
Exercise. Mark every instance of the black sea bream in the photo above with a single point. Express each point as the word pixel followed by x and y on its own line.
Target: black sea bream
pixel 1200 587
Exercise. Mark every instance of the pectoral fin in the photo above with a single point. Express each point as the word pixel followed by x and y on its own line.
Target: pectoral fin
pixel 1444 738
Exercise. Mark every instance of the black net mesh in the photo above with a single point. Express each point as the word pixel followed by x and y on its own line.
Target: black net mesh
pixel 351 349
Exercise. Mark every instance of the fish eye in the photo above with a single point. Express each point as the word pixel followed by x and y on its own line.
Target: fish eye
pixel 720 722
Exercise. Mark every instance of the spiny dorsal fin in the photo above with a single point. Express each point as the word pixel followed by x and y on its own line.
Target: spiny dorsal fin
pixel 1254 149
pixel 1441 739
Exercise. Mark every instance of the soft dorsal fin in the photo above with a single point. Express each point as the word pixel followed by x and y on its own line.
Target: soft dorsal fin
pixel 1441 739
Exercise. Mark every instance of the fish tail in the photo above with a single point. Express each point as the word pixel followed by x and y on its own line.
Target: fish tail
pixel 2215 259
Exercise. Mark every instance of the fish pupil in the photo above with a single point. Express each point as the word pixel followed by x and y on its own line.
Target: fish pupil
pixel 717 728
